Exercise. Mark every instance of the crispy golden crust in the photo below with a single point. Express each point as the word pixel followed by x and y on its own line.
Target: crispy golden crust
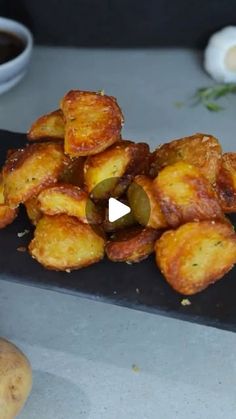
pixel 33 210
pixel 51 126
pixel 201 150
pixel 115 168
pixel 74 172
pixel 30 170
pixel 144 203
pixel 7 215
pixel 70 200
pixel 132 245
pixel 93 122
pixel 196 255
pixel 185 195
pixel 226 183
pixel 63 243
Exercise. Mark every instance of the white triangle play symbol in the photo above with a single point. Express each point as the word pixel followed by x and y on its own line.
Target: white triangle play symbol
pixel 117 209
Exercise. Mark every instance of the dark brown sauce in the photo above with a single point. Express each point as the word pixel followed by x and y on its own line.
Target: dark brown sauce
pixel 10 46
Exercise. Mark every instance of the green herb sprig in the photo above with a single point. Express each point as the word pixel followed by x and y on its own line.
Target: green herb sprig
pixel 207 96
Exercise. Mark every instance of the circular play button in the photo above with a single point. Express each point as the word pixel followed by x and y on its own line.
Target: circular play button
pixel 119 202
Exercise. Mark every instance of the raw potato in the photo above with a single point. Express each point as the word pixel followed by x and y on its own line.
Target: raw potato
pixel 93 122
pixel 201 150
pixel 15 380
pixel 196 255
pixel 28 171
pixel 185 195
pixel 63 243
pixel 144 203
pixel 33 210
pixel 132 245
pixel 70 200
pixel 226 183
pixel 114 169
pixel 7 214
pixel 51 126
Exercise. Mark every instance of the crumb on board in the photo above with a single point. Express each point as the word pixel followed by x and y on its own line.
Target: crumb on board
pixel 23 233
pixel 137 291
pixel 186 302
pixel 128 262
pixel 135 368
pixel 68 271
pixel 21 249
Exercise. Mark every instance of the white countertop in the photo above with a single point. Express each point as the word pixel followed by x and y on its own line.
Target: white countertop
pixel 82 352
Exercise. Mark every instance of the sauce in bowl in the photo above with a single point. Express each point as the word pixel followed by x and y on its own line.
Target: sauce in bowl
pixel 10 46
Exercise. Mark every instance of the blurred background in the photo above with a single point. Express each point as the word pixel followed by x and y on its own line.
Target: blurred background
pixel 122 23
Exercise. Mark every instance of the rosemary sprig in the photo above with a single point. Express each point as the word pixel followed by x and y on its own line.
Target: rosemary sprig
pixel 207 96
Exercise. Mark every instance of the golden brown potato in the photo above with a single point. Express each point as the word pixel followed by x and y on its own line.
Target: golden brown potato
pixel 63 243
pixel 201 150
pixel 131 245
pixel 70 200
pixel 127 220
pixel 93 122
pixel 196 255
pixel 74 172
pixel 226 183
pixel 7 214
pixel 15 379
pixel 30 170
pixel 51 126
pixel 33 210
pixel 185 195
pixel 144 203
pixel 112 170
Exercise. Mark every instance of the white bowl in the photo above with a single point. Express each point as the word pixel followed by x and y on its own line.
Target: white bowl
pixel 14 70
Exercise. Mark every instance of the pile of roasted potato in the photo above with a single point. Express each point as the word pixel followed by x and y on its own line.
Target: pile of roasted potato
pixel 179 194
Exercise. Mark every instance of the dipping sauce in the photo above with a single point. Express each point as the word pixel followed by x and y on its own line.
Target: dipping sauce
pixel 10 46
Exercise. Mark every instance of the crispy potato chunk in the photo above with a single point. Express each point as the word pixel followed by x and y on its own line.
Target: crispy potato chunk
pixel 226 183
pixel 93 122
pixel 132 245
pixel 51 126
pixel 7 214
pixel 185 195
pixel 29 170
pixel 74 172
pixel 144 203
pixel 196 255
pixel 70 200
pixel 63 243
pixel 201 150
pixel 111 171
pixel 33 210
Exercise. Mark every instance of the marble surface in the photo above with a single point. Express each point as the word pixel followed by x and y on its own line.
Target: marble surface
pixel 97 361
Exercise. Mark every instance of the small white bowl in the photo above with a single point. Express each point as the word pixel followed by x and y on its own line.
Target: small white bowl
pixel 14 70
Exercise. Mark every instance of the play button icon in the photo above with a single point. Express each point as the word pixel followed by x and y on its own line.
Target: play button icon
pixel 116 209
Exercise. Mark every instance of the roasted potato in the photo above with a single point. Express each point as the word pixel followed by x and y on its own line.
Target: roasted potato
pixel 226 183
pixel 93 122
pixel 63 243
pixel 185 195
pixel 196 255
pixel 50 126
pixel 74 172
pixel 15 380
pixel 33 210
pixel 70 200
pixel 29 170
pixel 7 214
pixel 201 150
pixel 110 172
pixel 131 245
pixel 144 203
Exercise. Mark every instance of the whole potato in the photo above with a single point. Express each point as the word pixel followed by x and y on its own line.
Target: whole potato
pixel 15 380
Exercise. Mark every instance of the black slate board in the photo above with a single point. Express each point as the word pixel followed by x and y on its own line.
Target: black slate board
pixel 115 283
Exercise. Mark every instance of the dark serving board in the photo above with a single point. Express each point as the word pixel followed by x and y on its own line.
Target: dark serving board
pixel 139 286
